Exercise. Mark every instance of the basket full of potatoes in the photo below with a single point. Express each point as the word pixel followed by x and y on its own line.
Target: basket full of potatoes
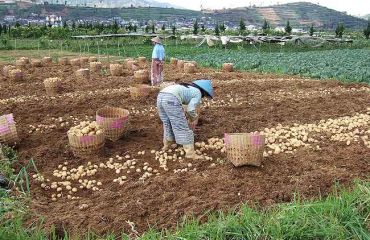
pixel 86 138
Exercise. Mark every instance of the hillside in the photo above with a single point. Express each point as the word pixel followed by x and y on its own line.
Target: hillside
pixel 114 3
pixel 299 14
pixel 74 12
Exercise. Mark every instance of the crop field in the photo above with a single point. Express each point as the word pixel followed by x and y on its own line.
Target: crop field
pixel 317 135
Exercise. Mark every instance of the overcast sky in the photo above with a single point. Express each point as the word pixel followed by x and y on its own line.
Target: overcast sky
pixel 353 7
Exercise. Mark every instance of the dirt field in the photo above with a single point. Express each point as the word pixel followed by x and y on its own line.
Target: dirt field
pixel 251 102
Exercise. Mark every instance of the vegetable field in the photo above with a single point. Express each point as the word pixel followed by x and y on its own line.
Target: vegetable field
pixel 342 64
pixel 317 135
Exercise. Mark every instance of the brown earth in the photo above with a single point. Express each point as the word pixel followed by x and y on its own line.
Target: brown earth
pixel 164 200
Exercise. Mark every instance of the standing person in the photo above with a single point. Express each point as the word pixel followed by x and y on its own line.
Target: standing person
pixel 176 128
pixel 158 57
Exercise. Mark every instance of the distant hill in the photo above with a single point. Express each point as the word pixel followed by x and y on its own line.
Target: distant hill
pixel 113 3
pixel 299 14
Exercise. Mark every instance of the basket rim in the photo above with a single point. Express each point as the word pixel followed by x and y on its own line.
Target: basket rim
pixel 107 108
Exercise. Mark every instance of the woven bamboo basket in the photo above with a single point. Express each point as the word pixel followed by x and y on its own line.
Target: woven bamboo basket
pixel 228 67
pixel 174 61
pixel 95 67
pixel 47 60
pixel 114 121
pixel 126 62
pixel 130 64
pixel 142 61
pixel 141 76
pixel 36 63
pixel 180 64
pixel 116 69
pixel 16 75
pixel 6 70
pixel 194 63
pixel 83 74
pixel 93 59
pixel 8 130
pixel 86 145
pixel 52 86
pixel 64 61
pixel 84 60
pixel 140 91
pixel 244 148
pixel 189 68
pixel 75 62
pixel 135 67
pixel 22 62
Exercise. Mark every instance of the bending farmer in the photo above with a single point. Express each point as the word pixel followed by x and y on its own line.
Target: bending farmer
pixel 158 57
pixel 169 104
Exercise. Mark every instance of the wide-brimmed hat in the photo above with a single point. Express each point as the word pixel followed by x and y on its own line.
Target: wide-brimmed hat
pixel 156 40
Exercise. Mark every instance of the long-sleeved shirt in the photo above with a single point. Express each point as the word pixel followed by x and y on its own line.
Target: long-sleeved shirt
pixel 189 96
pixel 158 52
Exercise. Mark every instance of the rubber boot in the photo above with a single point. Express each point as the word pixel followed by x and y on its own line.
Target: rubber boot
pixel 168 145
pixel 190 152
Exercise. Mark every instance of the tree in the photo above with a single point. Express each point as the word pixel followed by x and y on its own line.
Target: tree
pixel 222 27
pixel 65 24
pixel 339 31
pixel 1 29
pixel 5 29
pixel 115 27
pixel 147 28
pixel 173 30
pixel 203 28
pixel 153 28
pixel 17 25
pixel 288 28
pixel 195 27
pixel 265 26
pixel 134 28
pixel 312 30
pixel 367 30
pixel 73 25
pixel 164 27
pixel 242 27
pixel 217 30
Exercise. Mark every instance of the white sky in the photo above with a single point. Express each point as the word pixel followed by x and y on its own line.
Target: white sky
pixel 353 7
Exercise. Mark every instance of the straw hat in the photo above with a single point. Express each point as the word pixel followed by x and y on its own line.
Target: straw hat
pixel 156 40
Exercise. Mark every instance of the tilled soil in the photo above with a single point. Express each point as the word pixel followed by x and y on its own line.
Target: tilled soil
pixel 164 200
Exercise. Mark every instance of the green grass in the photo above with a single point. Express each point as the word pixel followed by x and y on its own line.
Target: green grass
pixel 344 214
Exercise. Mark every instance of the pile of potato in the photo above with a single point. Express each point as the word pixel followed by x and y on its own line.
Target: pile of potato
pixel 85 128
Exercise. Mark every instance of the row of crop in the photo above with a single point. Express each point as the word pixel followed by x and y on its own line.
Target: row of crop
pixel 342 64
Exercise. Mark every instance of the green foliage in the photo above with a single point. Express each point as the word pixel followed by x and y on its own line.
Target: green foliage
pixel 288 28
pixel 173 30
pixel 339 30
pixel 152 27
pixel 222 27
pixel 265 27
pixel 217 30
pixel 164 27
pixel 343 64
pixel 367 30
pixel 195 27
pixel 312 30
pixel 242 26
pixel 203 28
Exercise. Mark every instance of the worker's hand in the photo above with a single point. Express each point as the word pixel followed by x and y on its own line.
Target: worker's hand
pixel 193 123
